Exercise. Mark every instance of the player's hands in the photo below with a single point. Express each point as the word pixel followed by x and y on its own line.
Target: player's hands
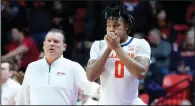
pixel 113 40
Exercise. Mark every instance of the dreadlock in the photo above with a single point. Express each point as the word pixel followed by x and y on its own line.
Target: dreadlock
pixel 117 11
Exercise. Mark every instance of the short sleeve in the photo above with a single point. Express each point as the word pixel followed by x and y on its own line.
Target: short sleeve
pixel 94 50
pixel 28 43
pixel 143 49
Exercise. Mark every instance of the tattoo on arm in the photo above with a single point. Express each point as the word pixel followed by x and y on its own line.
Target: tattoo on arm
pixel 90 62
pixel 144 61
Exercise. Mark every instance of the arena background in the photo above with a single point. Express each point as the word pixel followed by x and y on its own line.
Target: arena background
pixel 170 77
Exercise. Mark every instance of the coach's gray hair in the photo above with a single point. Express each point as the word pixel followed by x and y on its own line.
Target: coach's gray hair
pixel 55 30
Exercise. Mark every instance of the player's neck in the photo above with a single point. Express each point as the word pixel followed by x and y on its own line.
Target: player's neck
pixel 125 39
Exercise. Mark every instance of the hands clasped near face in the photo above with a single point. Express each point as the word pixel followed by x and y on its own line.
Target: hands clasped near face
pixel 113 40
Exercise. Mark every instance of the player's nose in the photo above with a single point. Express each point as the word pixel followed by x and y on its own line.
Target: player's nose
pixel 112 30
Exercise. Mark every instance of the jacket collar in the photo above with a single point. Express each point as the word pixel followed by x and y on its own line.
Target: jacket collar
pixel 55 62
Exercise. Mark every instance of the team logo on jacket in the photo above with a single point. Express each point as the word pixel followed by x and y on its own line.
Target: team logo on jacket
pixel 60 73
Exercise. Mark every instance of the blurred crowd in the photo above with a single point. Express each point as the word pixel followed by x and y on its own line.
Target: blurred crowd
pixel 25 24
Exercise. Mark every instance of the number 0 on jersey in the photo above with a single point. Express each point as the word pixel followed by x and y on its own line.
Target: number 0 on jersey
pixel 119 69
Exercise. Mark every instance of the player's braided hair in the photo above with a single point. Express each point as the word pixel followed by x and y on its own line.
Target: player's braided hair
pixel 120 11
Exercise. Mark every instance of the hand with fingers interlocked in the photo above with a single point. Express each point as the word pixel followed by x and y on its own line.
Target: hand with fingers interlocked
pixel 113 40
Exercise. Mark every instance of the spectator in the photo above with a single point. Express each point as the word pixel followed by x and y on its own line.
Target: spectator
pixel 40 18
pixel 10 88
pixel 142 12
pixel 190 10
pixel 163 24
pixel 187 49
pixel 18 76
pixel 160 50
pixel 8 11
pixel 182 68
pixel 61 19
pixel 175 82
pixel 181 50
pixel 22 48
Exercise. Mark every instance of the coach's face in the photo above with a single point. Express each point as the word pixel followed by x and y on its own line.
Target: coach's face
pixel 53 45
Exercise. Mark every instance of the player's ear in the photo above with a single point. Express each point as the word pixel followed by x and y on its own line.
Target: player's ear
pixel 126 26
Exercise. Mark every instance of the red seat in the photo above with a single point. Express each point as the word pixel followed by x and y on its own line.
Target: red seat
pixel 172 79
pixel 144 97
pixel 181 27
pixel 169 81
pixel 171 101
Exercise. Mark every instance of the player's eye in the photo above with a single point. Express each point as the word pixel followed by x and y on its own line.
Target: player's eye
pixel 108 25
pixel 116 25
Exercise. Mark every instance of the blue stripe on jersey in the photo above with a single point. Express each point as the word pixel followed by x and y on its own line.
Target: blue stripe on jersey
pixel 127 42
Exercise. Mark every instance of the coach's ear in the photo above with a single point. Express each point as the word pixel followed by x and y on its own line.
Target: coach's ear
pixel 64 48
pixel 43 44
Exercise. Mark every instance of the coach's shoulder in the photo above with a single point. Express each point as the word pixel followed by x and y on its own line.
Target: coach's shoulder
pixel 76 64
pixel 69 62
pixel 36 63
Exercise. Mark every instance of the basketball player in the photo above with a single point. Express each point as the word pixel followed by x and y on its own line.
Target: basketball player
pixel 119 60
